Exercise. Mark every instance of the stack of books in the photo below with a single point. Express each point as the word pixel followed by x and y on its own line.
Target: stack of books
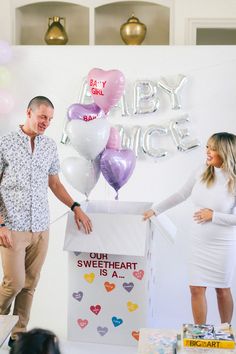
pixel 208 336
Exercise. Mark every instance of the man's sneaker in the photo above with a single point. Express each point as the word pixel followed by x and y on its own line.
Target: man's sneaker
pixel 11 342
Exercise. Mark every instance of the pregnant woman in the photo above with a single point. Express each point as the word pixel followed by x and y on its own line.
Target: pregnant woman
pixel 212 189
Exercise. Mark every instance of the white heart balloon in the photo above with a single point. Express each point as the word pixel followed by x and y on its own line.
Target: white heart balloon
pixel 88 138
pixel 81 174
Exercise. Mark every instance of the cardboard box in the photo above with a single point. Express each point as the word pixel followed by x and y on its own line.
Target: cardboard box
pixel 7 322
pixel 112 273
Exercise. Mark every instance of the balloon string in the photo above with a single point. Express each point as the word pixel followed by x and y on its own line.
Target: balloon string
pixel 58 218
pixel 117 196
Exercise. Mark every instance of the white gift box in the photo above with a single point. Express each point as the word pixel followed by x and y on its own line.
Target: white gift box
pixel 112 272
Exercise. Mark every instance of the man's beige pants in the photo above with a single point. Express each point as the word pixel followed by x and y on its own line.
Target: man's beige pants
pixel 21 271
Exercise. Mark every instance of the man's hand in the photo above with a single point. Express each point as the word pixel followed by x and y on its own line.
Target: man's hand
pixel 5 237
pixel 148 214
pixel 203 215
pixel 61 193
pixel 81 217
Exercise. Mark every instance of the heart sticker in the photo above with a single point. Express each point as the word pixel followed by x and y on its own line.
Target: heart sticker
pixel 128 286
pixel 116 321
pixel 95 309
pixel 77 253
pixel 135 335
pixel 109 286
pixel 138 274
pixel 131 306
pixel 102 330
pixel 82 323
pixel 78 296
pixel 89 277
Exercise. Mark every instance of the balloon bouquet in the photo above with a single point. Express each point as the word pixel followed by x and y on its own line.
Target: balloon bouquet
pixel 92 137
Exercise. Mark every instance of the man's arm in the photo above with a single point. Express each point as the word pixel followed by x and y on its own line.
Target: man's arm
pixel 61 193
pixel 5 235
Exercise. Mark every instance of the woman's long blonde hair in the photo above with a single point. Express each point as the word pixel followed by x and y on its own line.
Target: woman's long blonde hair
pixel 225 145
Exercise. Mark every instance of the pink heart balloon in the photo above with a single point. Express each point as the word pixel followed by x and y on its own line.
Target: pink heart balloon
pixel 106 87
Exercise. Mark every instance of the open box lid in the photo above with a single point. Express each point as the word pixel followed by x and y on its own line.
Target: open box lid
pixel 118 229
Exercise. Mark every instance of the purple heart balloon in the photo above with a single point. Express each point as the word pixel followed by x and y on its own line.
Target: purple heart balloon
pixel 117 166
pixel 84 112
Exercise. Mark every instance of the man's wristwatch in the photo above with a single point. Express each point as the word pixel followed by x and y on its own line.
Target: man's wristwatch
pixel 75 204
pixel 2 225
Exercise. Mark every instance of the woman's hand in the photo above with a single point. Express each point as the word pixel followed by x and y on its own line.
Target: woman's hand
pixel 148 214
pixel 203 215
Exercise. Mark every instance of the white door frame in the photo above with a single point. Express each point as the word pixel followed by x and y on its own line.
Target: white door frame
pixel 192 24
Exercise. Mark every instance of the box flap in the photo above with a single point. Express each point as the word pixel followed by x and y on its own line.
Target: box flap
pixel 164 226
pixel 112 234
pixel 115 207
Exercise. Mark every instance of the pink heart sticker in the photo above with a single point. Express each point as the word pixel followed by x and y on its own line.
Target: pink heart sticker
pixel 106 87
pixel 82 323
pixel 138 274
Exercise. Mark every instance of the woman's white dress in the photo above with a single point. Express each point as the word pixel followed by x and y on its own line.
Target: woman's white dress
pixel 212 256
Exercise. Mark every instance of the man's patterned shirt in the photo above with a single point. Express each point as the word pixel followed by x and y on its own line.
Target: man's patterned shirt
pixel 24 183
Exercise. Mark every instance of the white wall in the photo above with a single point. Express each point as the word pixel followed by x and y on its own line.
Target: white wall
pixel 208 97
pixel 201 9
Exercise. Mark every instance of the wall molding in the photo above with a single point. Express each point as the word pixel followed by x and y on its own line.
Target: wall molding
pixel 192 24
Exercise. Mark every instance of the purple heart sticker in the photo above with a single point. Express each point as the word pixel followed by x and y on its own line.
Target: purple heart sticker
pixel 78 296
pixel 128 286
pixel 102 330
pixel 77 253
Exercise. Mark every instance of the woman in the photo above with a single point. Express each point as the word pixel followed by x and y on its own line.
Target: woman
pixel 36 341
pixel 213 236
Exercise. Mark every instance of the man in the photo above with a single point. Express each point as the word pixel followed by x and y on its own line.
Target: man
pixel 28 165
